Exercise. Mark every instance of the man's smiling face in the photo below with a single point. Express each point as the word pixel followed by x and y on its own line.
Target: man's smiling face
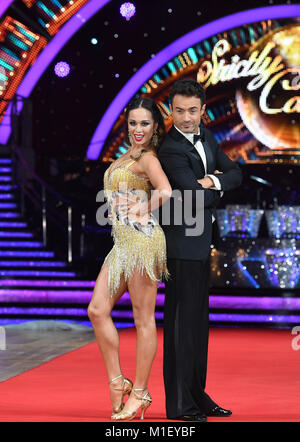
pixel 187 113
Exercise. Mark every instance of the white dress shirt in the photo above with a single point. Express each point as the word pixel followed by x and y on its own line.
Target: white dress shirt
pixel 200 149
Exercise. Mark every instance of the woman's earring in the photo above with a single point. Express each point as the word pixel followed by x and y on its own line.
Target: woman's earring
pixel 155 138
pixel 130 139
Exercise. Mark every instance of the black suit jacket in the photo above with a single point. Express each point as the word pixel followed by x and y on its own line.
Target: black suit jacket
pixel 183 166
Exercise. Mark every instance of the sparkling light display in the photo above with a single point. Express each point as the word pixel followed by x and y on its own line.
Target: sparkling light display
pixel 284 222
pixel 127 10
pixel 108 119
pixel 62 69
pixel 52 15
pixel 19 48
pixel 49 53
pixel 240 221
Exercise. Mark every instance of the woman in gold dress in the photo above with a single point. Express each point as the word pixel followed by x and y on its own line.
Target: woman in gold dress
pixel 134 185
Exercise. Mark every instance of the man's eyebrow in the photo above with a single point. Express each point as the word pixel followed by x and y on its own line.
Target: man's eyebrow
pixel 180 108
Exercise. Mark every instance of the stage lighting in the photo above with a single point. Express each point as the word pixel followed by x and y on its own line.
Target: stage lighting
pixel 127 10
pixel 62 69
pixel 94 41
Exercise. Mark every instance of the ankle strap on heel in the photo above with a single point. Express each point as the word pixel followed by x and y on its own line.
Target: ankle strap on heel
pixel 141 397
pixel 114 379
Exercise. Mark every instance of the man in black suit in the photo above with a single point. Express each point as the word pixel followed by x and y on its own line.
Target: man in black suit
pixel 193 161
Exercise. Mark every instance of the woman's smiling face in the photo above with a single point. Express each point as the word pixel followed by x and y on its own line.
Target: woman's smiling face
pixel 141 126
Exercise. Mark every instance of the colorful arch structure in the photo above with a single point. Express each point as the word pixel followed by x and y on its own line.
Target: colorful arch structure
pixel 151 67
pixel 47 55
pixel 132 86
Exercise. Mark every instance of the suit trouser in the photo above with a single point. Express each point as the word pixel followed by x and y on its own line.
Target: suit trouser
pixel 186 328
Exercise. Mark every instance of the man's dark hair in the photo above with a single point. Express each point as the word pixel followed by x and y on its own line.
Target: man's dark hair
pixel 189 88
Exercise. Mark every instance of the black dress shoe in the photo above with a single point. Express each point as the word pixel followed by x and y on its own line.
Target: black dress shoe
pixel 220 412
pixel 191 417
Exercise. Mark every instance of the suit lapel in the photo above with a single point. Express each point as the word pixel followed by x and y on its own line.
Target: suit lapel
pixel 209 157
pixel 190 148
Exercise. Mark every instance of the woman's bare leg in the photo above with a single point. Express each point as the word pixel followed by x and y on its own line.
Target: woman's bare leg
pixel 99 312
pixel 143 292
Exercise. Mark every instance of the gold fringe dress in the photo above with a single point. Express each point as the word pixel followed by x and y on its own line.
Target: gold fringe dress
pixel 137 246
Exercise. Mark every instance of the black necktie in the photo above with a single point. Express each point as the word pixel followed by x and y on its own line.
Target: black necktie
pixel 198 137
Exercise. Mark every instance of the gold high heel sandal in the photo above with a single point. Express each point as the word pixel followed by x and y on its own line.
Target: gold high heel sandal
pixel 125 388
pixel 146 401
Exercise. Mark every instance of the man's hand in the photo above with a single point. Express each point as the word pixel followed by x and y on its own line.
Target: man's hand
pixel 207 182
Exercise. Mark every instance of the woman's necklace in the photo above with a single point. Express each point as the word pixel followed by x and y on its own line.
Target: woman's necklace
pixel 138 156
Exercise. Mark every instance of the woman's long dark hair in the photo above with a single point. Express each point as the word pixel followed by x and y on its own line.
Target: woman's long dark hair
pixel 151 106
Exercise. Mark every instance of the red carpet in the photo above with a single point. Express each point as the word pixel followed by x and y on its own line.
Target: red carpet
pixel 255 373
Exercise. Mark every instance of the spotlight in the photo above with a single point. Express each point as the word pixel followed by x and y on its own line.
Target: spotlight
pixel 127 10
pixel 62 69
pixel 94 41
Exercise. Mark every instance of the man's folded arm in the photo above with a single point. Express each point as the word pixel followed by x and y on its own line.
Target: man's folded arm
pixel 216 181
pixel 232 174
pixel 182 177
